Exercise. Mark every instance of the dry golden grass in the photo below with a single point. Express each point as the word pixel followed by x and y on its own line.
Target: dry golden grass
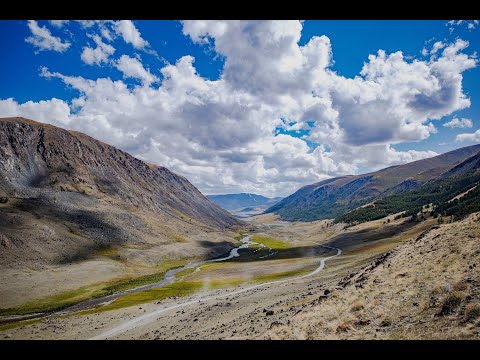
pixel 426 288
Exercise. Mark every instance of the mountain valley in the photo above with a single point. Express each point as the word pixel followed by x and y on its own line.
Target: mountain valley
pixel 244 204
pixel 96 244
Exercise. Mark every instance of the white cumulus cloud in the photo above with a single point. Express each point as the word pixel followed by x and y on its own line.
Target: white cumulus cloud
pixel 468 24
pixel 473 137
pixel 437 46
pixel 133 68
pixel 459 123
pixel 97 55
pixel 129 33
pixel 42 38
pixel 58 23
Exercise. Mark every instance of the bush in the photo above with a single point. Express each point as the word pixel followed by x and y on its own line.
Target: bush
pixel 450 303
pixel 472 312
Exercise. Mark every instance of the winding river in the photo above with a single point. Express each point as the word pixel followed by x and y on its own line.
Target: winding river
pixel 152 316
pixel 169 278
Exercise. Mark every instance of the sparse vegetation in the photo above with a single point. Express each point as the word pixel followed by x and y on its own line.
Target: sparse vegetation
pixel 279 276
pixel 68 298
pixel 55 302
pixel 272 243
pixel 17 324
pixel 111 252
pixel 357 307
pixel 146 279
pixel 451 302
pixel 175 289
pixel 472 312
pixel 239 237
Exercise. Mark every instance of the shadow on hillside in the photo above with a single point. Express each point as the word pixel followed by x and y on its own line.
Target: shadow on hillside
pixel 367 236
pixel 90 225
pixel 217 249
pixel 347 241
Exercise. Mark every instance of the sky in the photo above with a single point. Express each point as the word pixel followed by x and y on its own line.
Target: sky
pixel 251 106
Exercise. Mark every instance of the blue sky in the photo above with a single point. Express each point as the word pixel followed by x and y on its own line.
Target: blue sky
pixel 261 107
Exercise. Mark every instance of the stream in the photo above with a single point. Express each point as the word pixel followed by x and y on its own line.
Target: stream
pixel 169 278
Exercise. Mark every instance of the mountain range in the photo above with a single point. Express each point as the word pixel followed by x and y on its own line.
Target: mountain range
pixel 244 204
pixel 334 197
pixel 454 194
pixel 64 195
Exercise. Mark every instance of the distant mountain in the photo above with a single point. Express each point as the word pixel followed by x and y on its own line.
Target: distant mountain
pixel 242 200
pixel 334 197
pixel 64 194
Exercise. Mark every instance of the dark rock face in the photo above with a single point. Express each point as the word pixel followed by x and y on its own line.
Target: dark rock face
pixel 101 195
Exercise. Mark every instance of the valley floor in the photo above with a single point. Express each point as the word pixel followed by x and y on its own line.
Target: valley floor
pixel 392 280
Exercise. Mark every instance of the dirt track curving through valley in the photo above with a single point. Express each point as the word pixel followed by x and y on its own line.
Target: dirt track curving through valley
pixel 152 316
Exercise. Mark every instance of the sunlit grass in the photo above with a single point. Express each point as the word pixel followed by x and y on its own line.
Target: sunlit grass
pixel 184 288
pixel 55 302
pixel 175 289
pixel 281 275
pixel 239 237
pixel 72 297
pixel 272 243
pixel 14 325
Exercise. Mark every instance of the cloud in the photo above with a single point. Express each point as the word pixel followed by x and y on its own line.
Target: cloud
pixel 97 55
pixel 468 24
pixel 223 134
pixel 106 34
pixel 130 34
pixel 133 68
pixel 472 25
pixel 42 38
pixel 58 23
pixel 87 24
pixel 437 46
pixel 392 101
pixel 473 137
pixel 53 110
pixel 459 123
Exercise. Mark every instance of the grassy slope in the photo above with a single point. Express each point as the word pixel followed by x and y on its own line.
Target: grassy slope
pixel 427 288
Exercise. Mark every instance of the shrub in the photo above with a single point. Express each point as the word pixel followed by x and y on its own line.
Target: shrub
pixel 356 307
pixel 450 303
pixel 472 312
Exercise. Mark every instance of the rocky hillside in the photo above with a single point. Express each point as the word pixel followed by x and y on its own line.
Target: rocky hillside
pixel 63 194
pixel 427 288
pixel 334 197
